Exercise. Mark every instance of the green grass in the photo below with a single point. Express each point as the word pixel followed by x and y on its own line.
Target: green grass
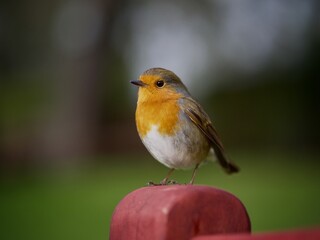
pixel 280 191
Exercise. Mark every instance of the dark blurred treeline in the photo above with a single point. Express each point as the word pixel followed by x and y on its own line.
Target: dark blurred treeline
pixel 65 68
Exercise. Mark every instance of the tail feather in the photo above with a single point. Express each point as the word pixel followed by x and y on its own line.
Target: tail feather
pixel 228 167
pixel 232 168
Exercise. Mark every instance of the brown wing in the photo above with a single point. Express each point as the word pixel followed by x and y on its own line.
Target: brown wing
pixel 198 116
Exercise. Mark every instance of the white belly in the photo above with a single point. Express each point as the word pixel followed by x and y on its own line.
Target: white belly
pixel 180 151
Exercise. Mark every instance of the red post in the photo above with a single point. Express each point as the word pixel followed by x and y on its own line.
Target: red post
pixel 177 212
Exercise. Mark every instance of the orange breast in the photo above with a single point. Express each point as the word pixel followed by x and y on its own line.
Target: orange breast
pixel 160 111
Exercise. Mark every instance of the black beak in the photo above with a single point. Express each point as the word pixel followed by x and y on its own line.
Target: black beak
pixel 138 83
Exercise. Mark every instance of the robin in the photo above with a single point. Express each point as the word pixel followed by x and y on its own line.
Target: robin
pixel 173 126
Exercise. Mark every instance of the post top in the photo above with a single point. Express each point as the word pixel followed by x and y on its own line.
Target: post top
pixel 178 212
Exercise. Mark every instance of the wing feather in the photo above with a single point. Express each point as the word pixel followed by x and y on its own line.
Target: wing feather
pixel 198 117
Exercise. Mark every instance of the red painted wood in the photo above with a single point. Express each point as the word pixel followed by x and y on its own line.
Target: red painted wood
pixel 177 212
pixel 306 234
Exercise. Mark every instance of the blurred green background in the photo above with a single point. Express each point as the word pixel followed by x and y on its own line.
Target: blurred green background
pixel 69 151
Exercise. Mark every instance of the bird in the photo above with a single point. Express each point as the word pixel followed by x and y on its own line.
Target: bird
pixel 173 126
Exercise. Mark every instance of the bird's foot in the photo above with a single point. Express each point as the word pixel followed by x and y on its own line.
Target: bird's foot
pixel 162 183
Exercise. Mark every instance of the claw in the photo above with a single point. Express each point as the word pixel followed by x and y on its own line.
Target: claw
pixel 151 183
pixel 172 182
pixel 156 184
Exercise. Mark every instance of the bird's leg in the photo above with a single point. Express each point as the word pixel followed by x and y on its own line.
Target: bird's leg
pixel 165 180
pixel 194 174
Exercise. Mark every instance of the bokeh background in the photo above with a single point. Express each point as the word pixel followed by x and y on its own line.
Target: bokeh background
pixel 69 151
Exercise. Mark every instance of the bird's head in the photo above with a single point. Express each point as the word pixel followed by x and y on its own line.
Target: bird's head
pixel 159 84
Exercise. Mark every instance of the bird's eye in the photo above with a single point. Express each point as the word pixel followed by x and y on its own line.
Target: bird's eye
pixel 160 83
